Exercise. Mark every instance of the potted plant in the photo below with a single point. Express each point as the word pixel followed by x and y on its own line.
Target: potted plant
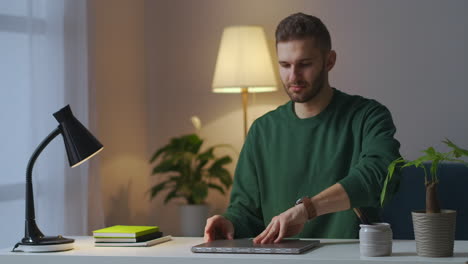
pixel 189 173
pixel 434 228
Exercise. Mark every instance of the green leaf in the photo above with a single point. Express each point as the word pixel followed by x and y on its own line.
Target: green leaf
pixel 217 187
pixel 204 158
pixel 171 195
pixel 430 151
pixel 188 143
pixel 176 179
pixel 457 161
pixel 222 161
pixel 165 166
pixel 159 152
pixel 222 174
pixel 157 188
pixel 458 152
pixel 388 178
pixel 199 192
pixel 383 194
pixel 206 155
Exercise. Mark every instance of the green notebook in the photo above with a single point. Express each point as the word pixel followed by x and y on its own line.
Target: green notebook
pixel 118 231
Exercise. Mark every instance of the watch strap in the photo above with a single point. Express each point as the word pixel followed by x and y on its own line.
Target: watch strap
pixel 311 213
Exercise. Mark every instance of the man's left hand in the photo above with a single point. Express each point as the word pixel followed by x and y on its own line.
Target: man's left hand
pixel 289 223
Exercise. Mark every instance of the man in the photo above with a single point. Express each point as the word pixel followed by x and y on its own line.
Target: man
pixel 324 146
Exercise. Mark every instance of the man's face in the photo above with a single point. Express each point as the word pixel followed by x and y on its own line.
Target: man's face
pixel 302 68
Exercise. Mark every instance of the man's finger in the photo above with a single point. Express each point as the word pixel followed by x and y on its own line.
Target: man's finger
pixel 209 234
pixel 259 238
pixel 282 231
pixel 271 233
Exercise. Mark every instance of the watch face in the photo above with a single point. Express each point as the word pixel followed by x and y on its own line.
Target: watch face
pixel 299 201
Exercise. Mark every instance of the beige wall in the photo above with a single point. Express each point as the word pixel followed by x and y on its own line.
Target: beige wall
pixel 118 65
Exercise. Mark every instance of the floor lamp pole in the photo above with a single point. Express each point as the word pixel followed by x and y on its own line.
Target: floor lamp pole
pixel 244 108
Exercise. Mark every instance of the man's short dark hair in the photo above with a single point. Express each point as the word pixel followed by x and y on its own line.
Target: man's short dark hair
pixel 301 26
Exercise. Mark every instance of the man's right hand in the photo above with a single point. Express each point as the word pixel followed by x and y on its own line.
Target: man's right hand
pixel 218 227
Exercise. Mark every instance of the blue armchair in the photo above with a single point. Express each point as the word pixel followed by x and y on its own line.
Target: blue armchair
pixel 452 193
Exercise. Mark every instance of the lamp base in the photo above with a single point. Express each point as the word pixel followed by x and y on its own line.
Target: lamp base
pixel 46 244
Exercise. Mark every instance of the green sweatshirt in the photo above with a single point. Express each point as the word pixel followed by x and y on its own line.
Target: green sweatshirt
pixel 350 142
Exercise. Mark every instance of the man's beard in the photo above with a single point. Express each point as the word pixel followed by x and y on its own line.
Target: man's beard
pixel 310 90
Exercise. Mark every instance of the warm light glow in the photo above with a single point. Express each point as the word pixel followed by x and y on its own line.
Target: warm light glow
pixel 95 153
pixel 239 89
pixel 244 62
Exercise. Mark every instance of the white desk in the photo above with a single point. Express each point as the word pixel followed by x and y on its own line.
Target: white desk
pixel 178 251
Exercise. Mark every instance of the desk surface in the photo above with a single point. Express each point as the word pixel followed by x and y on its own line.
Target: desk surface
pixel 178 251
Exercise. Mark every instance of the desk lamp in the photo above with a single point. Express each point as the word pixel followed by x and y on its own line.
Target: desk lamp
pixel 80 145
pixel 244 64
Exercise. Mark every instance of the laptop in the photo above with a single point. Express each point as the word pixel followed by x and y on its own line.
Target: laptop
pixel 246 246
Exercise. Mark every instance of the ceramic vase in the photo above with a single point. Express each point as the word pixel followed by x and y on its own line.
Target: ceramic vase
pixel 375 240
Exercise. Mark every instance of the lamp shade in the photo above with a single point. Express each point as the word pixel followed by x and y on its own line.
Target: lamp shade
pixel 244 62
pixel 80 144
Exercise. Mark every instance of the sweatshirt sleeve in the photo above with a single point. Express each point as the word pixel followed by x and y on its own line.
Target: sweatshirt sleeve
pixel 379 148
pixel 244 209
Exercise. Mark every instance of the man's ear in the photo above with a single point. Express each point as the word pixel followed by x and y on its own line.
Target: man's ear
pixel 331 60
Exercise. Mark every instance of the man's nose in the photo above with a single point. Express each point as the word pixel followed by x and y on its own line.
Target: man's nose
pixel 294 74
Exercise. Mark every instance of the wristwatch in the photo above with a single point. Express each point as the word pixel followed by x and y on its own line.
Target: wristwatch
pixel 308 205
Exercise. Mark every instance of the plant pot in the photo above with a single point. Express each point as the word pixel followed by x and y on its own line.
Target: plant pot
pixel 434 233
pixel 193 219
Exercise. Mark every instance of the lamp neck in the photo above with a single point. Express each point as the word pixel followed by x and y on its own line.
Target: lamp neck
pixel 31 229
pixel 245 102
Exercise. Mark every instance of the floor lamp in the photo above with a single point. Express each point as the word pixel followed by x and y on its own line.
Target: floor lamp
pixel 244 64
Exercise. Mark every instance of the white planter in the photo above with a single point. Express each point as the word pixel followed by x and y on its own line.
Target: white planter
pixel 193 220
pixel 434 233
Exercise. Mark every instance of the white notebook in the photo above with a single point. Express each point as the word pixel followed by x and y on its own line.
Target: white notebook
pixel 134 244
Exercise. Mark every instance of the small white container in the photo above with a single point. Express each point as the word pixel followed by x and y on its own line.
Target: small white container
pixel 375 240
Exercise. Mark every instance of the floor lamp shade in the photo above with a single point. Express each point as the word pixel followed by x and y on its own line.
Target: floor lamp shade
pixel 244 61
pixel 244 64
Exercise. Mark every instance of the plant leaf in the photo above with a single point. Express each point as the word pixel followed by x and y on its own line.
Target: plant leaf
pixel 458 152
pixel 388 178
pixel 159 152
pixel 199 192
pixel 206 155
pixel 222 161
pixel 430 151
pixel 157 188
pixel 166 166
pixel 222 174
pixel 171 195
pixel 217 187
pixel 203 159
pixel 188 143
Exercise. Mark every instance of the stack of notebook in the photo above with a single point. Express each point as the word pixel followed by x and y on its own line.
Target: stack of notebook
pixel 129 236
